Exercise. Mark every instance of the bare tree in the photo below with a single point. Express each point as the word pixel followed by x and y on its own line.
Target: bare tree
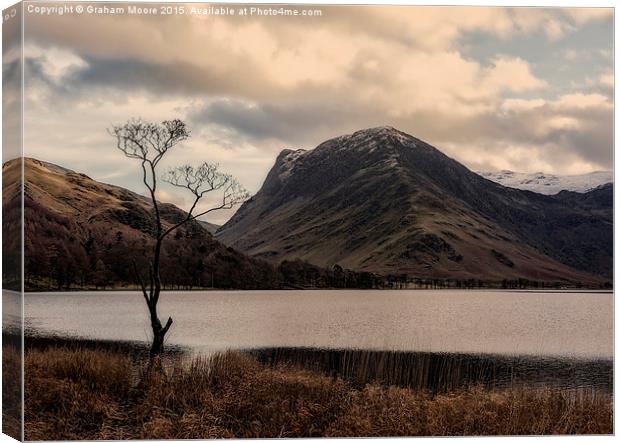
pixel 148 143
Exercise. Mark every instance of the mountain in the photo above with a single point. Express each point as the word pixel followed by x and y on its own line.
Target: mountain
pixel 384 201
pixel 549 183
pixel 82 233
pixel 211 227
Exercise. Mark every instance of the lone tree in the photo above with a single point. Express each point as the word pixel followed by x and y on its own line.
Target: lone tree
pixel 148 143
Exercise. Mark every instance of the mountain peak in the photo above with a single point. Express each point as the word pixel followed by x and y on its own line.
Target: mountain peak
pixel 379 130
pixel 380 140
pixel 288 152
pixel 382 132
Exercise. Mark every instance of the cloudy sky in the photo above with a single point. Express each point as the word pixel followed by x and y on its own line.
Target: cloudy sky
pixel 495 88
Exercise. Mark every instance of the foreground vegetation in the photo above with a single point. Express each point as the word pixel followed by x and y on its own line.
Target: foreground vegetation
pixel 11 391
pixel 79 392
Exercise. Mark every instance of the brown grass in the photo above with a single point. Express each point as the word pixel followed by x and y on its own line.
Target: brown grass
pixel 11 392
pixel 100 394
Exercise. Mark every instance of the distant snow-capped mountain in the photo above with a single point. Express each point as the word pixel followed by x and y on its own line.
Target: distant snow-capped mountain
pixel 549 183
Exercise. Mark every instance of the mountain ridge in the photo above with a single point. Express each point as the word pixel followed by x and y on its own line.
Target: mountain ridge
pixel 549 184
pixel 384 201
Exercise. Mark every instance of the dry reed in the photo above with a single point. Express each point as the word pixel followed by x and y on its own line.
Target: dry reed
pixel 85 394
pixel 11 392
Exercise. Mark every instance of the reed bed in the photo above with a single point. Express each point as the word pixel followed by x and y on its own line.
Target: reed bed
pixel 75 393
pixel 444 372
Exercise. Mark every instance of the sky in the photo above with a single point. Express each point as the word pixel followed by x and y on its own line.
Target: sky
pixel 526 89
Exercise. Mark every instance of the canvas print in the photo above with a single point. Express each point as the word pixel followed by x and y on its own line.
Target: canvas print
pixel 281 221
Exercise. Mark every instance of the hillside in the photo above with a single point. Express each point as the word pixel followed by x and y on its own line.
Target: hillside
pixel 383 201
pixel 82 233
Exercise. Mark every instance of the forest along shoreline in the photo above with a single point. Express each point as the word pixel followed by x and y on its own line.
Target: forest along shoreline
pixel 109 390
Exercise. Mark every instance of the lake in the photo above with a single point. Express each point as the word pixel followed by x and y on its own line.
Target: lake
pixel 560 324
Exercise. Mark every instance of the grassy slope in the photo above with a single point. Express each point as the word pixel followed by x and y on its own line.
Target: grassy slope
pixel 81 393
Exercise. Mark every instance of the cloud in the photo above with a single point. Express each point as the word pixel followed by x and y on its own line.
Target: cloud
pixel 581 16
pixel 513 74
pixel 257 121
pixel 57 63
pixel 250 87
pixel 557 23
pixel 580 101
pixel 11 90
pixel 607 80
pixel 579 125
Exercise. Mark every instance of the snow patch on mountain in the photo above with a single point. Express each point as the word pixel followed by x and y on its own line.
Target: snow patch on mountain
pixel 288 157
pixel 549 183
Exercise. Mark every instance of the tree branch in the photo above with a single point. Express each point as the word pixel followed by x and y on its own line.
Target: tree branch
pixel 168 324
pixel 200 181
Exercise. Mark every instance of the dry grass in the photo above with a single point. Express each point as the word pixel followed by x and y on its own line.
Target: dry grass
pixel 85 394
pixel 11 392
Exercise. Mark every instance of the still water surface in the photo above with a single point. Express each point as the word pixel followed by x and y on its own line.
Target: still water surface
pixel 498 322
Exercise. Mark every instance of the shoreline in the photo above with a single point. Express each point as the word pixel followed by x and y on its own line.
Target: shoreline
pixel 100 392
pixel 34 336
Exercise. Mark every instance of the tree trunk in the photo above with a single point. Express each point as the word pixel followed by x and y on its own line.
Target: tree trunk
pixel 159 331
pixel 157 347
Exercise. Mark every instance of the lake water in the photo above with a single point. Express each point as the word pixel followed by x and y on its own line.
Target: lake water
pixel 562 324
